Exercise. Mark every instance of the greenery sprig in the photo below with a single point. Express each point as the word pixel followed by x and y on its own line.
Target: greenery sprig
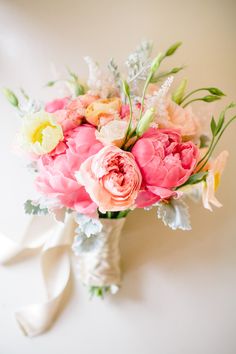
pixel 217 130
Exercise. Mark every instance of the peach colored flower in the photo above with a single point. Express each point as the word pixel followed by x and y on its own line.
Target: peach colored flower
pixel 113 133
pixel 103 110
pixel 112 179
pixel 182 119
pixel 212 182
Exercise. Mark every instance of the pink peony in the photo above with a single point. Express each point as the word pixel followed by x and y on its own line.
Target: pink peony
pixel 56 178
pixel 165 163
pixel 112 179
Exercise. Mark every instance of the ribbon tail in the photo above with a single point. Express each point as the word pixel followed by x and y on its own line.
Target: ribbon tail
pixel 37 318
pixel 33 238
pixel 55 262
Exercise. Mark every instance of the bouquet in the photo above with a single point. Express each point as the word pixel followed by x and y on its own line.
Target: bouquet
pixel 116 143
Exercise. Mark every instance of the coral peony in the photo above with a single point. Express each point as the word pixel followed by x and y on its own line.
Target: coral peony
pixel 165 163
pixel 112 179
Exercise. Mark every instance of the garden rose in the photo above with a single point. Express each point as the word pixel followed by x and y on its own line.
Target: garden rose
pixel 112 179
pixel 56 177
pixel 103 110
pixel 165 163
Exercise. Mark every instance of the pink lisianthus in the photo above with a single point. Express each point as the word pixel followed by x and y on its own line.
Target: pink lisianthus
pixel 56 105
pixel 56 178
pixel 165 163
pixel 112 179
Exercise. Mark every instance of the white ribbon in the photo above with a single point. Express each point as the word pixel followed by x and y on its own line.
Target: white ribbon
pixel 53 239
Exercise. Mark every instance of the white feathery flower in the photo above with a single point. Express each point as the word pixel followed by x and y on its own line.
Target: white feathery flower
pixel 99 82
pixel 158 100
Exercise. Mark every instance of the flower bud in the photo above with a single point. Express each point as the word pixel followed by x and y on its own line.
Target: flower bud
pixel 11 97
pixel 156 62
pixel 145 122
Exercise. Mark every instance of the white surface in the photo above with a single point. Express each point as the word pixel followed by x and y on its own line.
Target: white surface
pixel 179 289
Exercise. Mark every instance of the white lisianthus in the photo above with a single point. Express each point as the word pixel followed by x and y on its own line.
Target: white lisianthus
pixel 40 133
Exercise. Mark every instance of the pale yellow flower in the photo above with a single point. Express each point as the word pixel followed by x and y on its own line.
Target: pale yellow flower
pixel 40 133
pixel 212 182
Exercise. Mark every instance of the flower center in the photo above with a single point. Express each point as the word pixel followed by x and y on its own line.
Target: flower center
pixel 38 133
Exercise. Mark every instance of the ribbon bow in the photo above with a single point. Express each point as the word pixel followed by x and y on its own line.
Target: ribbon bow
pixel 53 240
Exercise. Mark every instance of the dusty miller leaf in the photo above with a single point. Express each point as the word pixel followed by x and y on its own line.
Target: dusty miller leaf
pixel 34 209
pixel 174 214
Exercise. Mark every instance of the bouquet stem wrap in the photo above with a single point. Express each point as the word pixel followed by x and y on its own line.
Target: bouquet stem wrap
pixel 100 267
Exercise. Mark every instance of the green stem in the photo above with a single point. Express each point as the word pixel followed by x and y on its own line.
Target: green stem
pixel 216 142
pixel 191 101
pixel 109 214
pixel 144 92
pixel 191 93
pixel 130 120
pixel 209 148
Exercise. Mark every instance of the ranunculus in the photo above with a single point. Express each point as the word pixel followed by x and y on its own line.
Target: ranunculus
pixel 73 113
pixel 56 177
pixel 112 179
pixel 182 119
pixel 165 163
pixel 40 133
pixel 113 133
pixel 103 110
pixel 56 105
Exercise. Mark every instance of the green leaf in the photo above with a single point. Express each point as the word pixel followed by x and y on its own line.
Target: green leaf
pixel 179 92
pixel 213 125
pixel 11 97
pixel 50 83
pixel 215 91
pixel 210 98
pixel 195 178
pixel 220 123
pixel 79 89
pixel 34 209
pixel 172 49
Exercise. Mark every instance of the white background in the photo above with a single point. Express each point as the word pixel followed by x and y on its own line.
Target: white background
pixel 179 289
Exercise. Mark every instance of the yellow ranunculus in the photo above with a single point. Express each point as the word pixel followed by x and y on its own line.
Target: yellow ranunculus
pixel 40 133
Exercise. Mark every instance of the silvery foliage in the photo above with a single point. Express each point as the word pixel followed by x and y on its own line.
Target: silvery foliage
pixel 87 231
pixel 138 64
pixel 113 67
pixel 193 192
pixel 174 214
pixel 82 243
pixel 87 225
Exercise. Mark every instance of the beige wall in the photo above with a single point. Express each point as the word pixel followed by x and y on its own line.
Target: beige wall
pixel 179 288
